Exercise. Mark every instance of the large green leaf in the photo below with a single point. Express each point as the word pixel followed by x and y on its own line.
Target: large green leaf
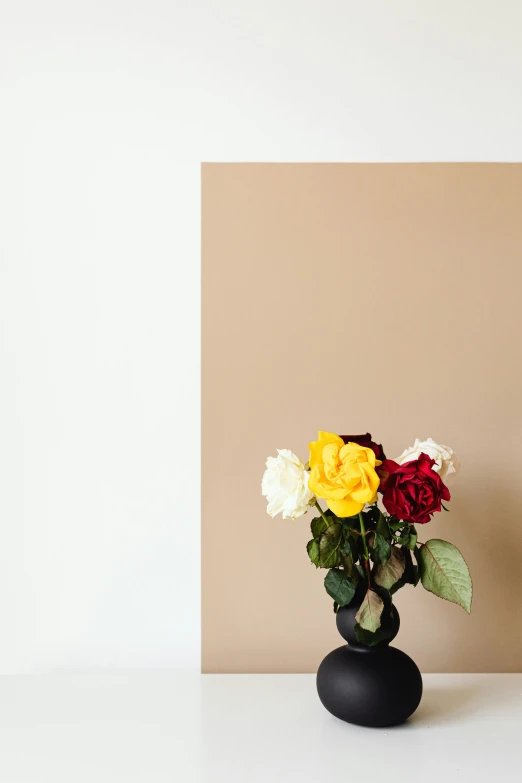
pixel 330 546
pixel 338 587
pixel 369 614
pixel 318 526
pixel 388 573
pixel 313 551
pixel 381 548
pixel 444 572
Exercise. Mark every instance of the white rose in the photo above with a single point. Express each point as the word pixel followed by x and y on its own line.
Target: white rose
pixel 446 461
pixel 285 485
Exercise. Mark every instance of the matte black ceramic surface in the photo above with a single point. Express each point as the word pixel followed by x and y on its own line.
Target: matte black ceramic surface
pixel 371 686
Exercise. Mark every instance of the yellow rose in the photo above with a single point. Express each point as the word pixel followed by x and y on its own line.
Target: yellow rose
pixel 343 474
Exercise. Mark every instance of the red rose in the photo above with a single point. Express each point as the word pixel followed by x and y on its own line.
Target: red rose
pixel 367 442
pixel 412 491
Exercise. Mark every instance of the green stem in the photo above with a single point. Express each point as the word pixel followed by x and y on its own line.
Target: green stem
pixel 363 534
pixel 320 510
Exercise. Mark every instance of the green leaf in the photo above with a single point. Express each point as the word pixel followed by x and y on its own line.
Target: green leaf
pixel 402 538
pixel 317 526
pixel 408 537
pixel 347 548
pixel 329 546
pixel 394 524
pixel 349 568
pixel 358 549
pixel 444 507
pixel 412 541
pixel 444 572
pixel 385 594
pixel 411 574
pixel 338 587
pixel 371 639
pixel 369 614
pixel 313 551
pixel 381 548
pixel 383 527
pixel 387 574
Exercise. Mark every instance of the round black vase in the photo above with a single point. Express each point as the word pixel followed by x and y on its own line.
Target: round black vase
pixel 370 686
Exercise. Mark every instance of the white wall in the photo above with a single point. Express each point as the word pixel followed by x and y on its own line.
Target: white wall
pixel 106 109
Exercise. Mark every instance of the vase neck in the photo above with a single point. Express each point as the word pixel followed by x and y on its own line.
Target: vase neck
pixel 346 623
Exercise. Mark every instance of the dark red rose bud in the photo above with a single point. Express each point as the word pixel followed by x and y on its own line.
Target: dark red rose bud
pixel 367 442
pixel 412 491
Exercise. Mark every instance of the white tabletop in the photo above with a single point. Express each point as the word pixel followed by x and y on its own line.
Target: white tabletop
pixel 159 727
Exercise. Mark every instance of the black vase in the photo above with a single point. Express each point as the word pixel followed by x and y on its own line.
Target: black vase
pixel 371 686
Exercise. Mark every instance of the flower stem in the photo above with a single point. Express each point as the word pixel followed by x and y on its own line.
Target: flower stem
pixel 320 510
pixel 366 554
pixel 363 534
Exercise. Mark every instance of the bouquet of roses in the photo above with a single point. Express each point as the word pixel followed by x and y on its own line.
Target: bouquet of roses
pixel 369 544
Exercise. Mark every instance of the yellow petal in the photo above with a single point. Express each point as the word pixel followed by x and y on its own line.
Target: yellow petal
pixel 370 454
pixel 330 437
pixel 350 471
pixel 372 459
pixel 351 450
pixel 363 494
pixel 316 453
pixel 345 508
pixel 317 446
pixel 372 477
pixel 320 486
pixel 331 455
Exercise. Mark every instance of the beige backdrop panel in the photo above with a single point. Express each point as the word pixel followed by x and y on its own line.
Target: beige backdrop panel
pixel 354 297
